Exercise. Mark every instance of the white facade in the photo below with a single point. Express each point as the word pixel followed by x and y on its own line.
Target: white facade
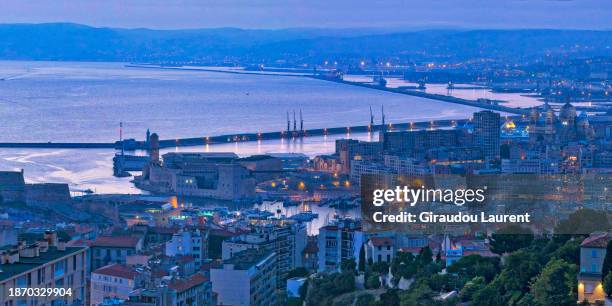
pixel 242 283
pixel 287 241
pixel 188 243
pixel 110 285
pixel 338 242
pixel 380 249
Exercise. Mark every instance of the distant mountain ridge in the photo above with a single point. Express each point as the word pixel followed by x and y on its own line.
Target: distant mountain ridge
pixel 75 42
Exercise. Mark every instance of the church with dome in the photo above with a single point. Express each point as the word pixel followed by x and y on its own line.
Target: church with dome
pixel 546 127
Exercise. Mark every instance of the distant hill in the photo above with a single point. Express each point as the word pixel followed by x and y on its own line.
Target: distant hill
pixel 74 42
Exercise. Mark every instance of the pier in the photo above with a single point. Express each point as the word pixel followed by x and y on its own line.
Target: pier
pixel 444 98
pixel 131 144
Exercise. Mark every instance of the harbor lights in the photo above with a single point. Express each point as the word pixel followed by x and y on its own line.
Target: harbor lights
pixel 453 123
pixel 325 131
pixel 348 129
pixel 432 125
pixel 411 125
pixel 259 136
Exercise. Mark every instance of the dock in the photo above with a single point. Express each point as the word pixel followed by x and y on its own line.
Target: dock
pixel 417 93
pixel 132 144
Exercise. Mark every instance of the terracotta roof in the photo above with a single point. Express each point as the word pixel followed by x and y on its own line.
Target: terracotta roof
pixel 117 270
pixel 181 285
pixel 159 273
pixel 185 259
pixel 381 241
pixel 116 242
pixel 596 240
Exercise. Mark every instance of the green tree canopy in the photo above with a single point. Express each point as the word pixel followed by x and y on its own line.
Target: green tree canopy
pixel 583 222
pixel 348 265
pixel 608 284
pixel 467 292
pixel 510 239
pixel 556 284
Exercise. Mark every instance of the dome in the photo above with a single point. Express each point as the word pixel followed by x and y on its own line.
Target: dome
pixel 568 112
pixel 508 125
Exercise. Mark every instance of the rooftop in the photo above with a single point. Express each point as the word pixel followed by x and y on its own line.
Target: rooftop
pixel 8 178
pixel 117 270
pixel 116 242
pixel 28 263
pixel 596 240
pixel 256 158
pixel 381 241
pixel 181 285
pixel 248 258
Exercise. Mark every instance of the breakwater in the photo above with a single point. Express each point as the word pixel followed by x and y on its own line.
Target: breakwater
pixel 130 144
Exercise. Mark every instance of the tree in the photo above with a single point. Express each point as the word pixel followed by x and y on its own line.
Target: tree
pixel 555 285
pixel 304 290
pixel 607 264
pixel 467 292
pixel 510 239
pixel 380 267
pixel 489 296
pixel 520 267
pixel 439 257
pixel 425 256
pixel 326 286
pixel 419 294
pixel 403 265
pixel 298 272
pixel 344 301
pixel 362 259
pixel 348 265
pixel 475 265
pixel 569 251
pixel 526 300
pixel 365 300
pixel 373 281
pixel 390 298
pixel 345 282
pixel 583 221
pixel 608 284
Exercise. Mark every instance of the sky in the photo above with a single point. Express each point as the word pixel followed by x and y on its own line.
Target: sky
pixel 274 14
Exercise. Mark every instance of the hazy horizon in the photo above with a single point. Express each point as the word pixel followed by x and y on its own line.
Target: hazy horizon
pixel 317 14
pixel 370 30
